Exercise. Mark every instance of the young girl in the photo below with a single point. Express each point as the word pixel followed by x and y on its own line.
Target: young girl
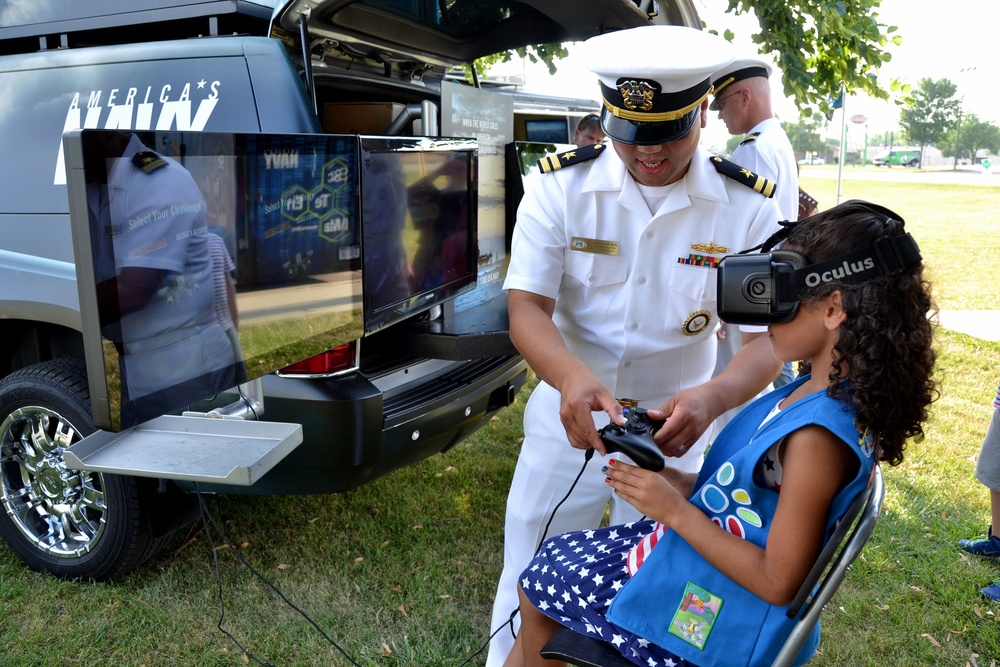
pixel 734 543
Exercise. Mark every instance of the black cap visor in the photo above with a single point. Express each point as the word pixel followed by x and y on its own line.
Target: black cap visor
pixel 647 134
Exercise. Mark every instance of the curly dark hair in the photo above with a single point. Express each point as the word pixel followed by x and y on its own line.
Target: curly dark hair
pixel 883 360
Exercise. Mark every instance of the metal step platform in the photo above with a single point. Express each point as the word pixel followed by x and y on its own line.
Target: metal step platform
pixel 197 449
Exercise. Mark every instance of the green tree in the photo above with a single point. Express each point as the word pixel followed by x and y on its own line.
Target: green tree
pixel 806 135
pixel 976 135
pixel 821 46
pixel 934 110
pixel 732 143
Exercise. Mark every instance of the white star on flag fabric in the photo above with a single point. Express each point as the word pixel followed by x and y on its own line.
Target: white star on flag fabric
pixel 582 573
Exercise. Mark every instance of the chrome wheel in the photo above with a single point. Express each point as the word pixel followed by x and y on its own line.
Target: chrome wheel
pixel 69 523
pixel 61 512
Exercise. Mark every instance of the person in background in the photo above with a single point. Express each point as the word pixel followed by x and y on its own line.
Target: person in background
pixel 588 131
pixel 742 92
pixel 611 290
pixel 807 205
pixel 988 474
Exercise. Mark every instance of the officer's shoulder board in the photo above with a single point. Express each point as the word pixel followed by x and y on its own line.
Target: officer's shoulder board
pixel 148 161
pixel 551 163
pixel 743 175
pixel 749 138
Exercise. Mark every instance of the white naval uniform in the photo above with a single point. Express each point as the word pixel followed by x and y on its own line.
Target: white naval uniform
pixel 624 315
pixel 174 348
pixel 769 154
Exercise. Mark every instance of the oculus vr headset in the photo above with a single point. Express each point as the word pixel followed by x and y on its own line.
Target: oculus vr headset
pixel 765 288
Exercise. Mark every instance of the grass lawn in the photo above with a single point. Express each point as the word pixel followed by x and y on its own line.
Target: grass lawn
pixel 402 571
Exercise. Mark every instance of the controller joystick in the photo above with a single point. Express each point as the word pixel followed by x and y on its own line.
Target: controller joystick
pixel 635 439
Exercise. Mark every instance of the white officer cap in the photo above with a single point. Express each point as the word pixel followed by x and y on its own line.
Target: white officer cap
pixel 739 69
pixel 654 79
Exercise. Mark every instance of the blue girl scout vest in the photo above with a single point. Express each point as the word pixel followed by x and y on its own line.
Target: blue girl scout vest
pixel 679 601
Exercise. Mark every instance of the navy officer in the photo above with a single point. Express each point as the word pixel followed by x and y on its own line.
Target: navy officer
pixel 612 289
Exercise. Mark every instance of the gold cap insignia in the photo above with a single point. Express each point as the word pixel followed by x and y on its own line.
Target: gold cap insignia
pixel 696 322
pixel 637 95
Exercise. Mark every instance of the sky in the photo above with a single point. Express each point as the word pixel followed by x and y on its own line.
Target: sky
pixel 958 40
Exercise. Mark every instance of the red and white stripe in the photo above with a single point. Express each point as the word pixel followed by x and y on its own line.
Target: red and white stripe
pixel 640 551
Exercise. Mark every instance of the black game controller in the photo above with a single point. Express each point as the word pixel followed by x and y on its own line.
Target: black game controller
pixel 635 439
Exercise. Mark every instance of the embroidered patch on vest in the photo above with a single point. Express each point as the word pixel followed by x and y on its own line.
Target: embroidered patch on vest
pixel 695 616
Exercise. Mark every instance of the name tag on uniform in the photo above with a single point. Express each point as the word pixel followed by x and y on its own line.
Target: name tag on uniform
pixel 597 246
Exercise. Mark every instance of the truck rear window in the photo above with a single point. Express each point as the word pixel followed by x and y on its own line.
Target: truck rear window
pixel 459 19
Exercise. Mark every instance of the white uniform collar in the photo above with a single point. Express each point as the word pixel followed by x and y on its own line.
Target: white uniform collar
pixel 764 125
pixel 608 173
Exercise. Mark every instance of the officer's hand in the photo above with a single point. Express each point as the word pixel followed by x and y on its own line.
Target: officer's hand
pixel 581 396
pixel 688 415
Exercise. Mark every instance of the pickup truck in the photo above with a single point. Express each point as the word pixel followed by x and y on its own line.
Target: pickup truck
pixel 390 393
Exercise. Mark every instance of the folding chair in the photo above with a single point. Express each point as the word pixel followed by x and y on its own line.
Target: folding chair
pixel 831 567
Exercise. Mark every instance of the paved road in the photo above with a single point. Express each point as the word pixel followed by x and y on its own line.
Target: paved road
pixel 966 176
pixel 983 324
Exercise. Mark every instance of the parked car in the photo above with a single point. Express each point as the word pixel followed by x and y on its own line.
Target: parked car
pixel 390 396
pixel 903 157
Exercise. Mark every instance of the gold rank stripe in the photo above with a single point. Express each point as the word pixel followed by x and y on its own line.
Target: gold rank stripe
pixel 763 186
pixel 549 163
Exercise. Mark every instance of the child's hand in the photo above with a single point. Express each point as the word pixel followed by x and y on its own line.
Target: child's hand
pixel 653 494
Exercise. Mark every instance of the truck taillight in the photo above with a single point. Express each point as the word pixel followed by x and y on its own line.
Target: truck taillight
pixel 335 360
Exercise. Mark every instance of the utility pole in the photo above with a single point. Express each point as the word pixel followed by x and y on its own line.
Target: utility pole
pixel 958 130
pixel 958 134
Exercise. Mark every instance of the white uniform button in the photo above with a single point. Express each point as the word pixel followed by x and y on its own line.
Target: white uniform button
pixel 642 280
pixel 649 235
pixel 627 364
pixel 635 325
pixel 591 279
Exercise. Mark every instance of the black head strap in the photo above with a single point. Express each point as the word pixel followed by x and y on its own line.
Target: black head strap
pixel 888 255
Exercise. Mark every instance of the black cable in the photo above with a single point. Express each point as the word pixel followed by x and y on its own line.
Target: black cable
pixel 509 623
pixel 209 519
pixel 545 533
pixel 249 403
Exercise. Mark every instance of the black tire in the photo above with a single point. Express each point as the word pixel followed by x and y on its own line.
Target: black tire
pixel 913 163
pixel 72 524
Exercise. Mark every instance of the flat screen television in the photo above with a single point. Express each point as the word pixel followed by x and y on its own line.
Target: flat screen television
pixel 205 260
pixel 547 130
pixel 522 161
pixel 418 203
